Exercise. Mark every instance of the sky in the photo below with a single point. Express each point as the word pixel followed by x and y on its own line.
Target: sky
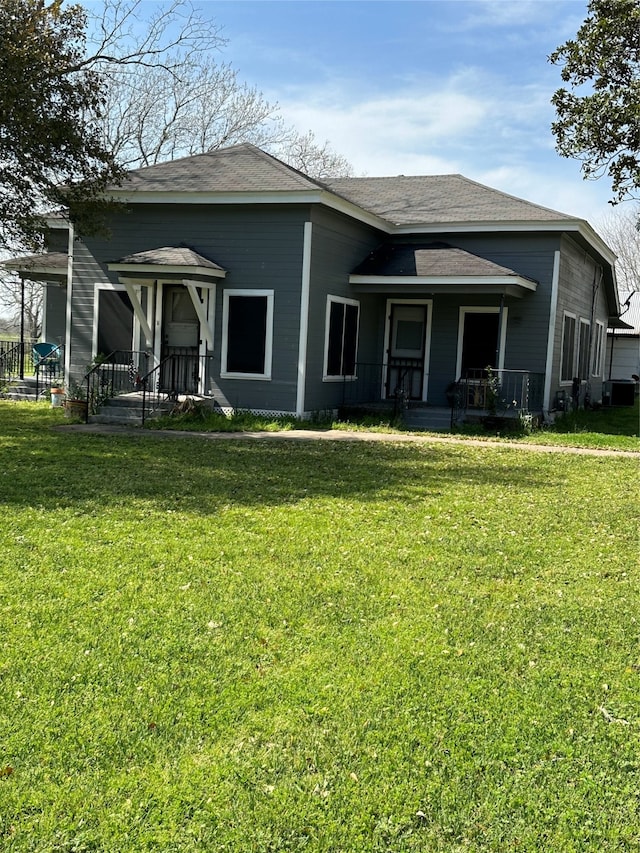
pixel 419 86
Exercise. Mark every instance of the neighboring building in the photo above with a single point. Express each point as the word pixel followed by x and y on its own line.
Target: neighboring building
pixel 623 340
pixel 262 288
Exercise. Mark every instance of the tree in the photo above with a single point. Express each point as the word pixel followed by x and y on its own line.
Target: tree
pixel 620 230
pixel 17 303
pixel 50 106
pixel 181 100
pixel 87 93
pixel 598 118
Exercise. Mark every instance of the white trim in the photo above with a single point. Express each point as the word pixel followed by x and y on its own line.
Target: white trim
pixel 354 211
pixel 97 287
pixel 305 288
pixel 448 283
pixel 587 366
pixel 161 270
pixel 482 309
pixel 551 332
pixel 138 310
pixel 268 353
pixel 200 306
pixel 342 300
pixel 427 342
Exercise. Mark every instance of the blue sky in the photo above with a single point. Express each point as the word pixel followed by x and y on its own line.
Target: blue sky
pixel 419 87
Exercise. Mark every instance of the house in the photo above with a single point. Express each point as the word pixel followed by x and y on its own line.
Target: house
pixel 622 364
pixel 233 276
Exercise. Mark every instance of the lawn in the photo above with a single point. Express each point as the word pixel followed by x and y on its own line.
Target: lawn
pixel 616 428
pixel 314 646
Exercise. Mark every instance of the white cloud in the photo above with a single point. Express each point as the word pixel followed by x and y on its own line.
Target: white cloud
pixel 474 123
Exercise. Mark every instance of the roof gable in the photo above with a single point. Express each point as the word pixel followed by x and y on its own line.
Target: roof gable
pixel 239 169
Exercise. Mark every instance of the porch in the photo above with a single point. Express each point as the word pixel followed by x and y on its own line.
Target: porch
pixel 478 394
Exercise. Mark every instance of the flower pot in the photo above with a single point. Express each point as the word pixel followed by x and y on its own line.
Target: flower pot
pixel 76 409
pixel 57 397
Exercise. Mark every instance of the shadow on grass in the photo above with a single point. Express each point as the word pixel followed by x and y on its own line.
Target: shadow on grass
pixel 43 467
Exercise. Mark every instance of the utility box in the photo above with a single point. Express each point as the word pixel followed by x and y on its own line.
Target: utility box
pixel 620 392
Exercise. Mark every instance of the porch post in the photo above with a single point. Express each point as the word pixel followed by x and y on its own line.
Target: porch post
pixel 500 331
pixel 21 327
pixel 304 320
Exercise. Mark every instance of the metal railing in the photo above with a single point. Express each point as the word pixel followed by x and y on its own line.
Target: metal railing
pixel 126 372
pixel 16 359
pixel 177 374
pixel 377 382
pixel 118 373
pixel 498 392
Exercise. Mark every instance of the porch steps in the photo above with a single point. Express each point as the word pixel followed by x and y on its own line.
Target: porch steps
pixel 428 418
pixel 126 410
pixel 24 389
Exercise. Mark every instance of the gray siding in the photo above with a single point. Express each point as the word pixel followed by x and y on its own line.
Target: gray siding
pixel 338 246
pixel 260 247
pixel 581 293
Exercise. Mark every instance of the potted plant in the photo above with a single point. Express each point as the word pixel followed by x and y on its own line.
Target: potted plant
pixel 57 394
pixel 75 406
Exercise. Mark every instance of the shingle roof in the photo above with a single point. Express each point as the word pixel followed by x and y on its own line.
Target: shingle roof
pixel 401 200
pixel 438 199
pixel 39 266
pixel 175 256
pixel 432 259
pixel 241 168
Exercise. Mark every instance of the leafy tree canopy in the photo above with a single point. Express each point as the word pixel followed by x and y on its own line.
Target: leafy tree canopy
pixel 598 117
pixel 50 107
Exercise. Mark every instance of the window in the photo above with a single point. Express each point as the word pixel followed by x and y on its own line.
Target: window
pixel 113 324
pixel 247 322
pixel 341 342
pixel 568 348
pixel 596 361
pixel 583 349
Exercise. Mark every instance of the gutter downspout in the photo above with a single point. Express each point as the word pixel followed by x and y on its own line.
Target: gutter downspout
pixel 304 320
pixel 553 312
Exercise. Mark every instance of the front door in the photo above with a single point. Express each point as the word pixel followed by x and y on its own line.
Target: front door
pixel 407 337
pixel 479 341
pixel 180 340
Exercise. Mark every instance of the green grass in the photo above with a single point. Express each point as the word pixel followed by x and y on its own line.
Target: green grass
pixel 314 646
pixel 606 428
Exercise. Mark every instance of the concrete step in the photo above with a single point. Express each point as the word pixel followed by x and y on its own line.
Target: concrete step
pixel 428 419
pixel 25 389
pixel 127 411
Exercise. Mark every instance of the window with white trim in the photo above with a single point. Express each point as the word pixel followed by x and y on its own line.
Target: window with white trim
pixel 341 338
pixel 567 369
pixel 584 338
pixel 598 339
pixel 247 334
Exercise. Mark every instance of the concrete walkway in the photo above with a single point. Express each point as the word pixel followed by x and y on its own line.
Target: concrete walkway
pixel 343 435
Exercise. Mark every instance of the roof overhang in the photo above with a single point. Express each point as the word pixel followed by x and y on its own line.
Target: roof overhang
pixel 516 286
pixel 164 270
pixel 49 266
pixel 617 323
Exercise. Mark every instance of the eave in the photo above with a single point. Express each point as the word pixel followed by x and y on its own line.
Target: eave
pixel 162 270
pixel 516 286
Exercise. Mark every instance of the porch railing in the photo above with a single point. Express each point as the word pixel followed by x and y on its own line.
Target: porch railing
pixel 16 359
pixel 499 392
pixel 176 375
pixel 123 372
pixel 370 384
pixel 492 391
pixel 118 373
